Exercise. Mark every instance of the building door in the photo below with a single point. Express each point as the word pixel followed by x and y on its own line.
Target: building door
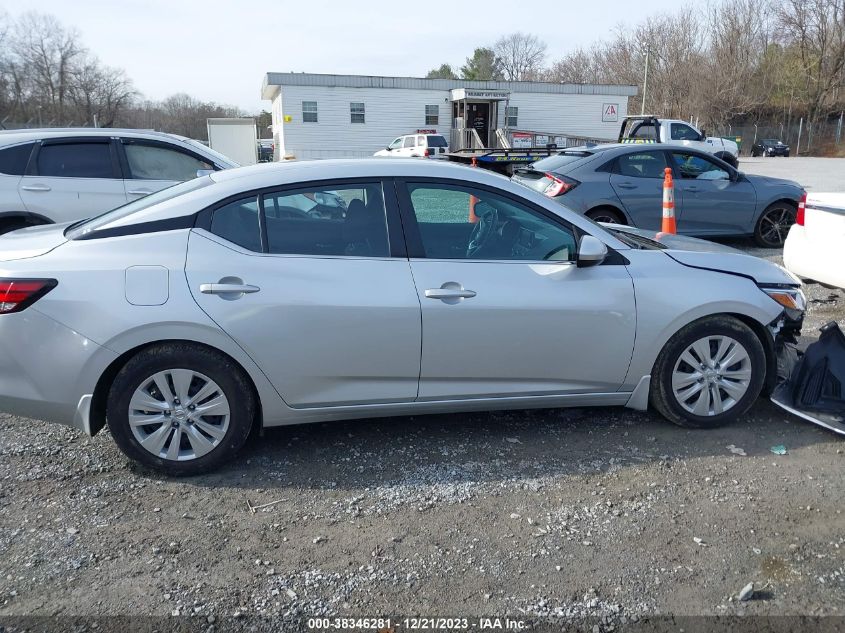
pixel 480 120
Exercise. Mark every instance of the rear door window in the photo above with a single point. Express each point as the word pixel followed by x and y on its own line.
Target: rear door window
pixel 76 160
pixel 341 220
pixel 13 160
pixel 642 165
pixel 409 141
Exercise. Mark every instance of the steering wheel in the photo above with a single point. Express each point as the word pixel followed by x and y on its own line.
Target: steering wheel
pixel 484 229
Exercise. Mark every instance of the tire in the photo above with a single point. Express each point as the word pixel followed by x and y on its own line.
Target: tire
pixel 773 225
pixel 606 214
pixel 205 441
pixel 743 379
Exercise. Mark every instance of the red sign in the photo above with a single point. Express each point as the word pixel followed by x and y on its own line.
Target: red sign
pixel 426 131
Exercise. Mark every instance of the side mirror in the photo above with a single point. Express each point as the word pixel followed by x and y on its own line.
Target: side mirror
pixel 204 172
pixel 591 252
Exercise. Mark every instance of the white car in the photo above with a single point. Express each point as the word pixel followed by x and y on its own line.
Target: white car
pixel 416 145
pixel 62 175
pixel 815 247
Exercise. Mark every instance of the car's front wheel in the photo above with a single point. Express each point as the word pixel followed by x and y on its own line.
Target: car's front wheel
pixel 709 373
pixel 180 409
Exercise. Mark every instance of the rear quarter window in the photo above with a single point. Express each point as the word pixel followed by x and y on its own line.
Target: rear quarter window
pixel 437 141
pixel 13 160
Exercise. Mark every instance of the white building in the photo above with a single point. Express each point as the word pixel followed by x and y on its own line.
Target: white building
pixel 330 116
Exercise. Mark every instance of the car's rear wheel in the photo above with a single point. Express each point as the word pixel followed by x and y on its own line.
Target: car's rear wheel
pixel 606 214
pixel 180 409
pixel 774 224
pixel 709 373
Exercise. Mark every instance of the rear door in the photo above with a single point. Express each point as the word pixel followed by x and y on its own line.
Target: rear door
pixel 73 178
pixel 712 200
pixel 322 301
pixel 150 166
pixel 637 180
pixel 505 310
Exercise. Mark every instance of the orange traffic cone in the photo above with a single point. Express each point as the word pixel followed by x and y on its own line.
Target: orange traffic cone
pixel 668 225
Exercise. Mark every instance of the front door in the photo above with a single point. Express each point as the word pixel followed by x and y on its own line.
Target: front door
pixel 479 118
pixel 637 180
pixel 315 299
pixel 72 179
pixel 712 200
pixel 505 310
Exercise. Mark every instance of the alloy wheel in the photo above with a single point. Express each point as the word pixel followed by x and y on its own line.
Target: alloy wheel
pixel 179 414
pixel 775 224
pixel 711 375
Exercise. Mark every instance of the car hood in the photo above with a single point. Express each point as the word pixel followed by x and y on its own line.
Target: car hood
pixel 787 187
pixel 32 241
pixel 697 253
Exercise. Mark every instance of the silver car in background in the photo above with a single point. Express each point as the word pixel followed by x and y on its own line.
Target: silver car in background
pixel 188 318
pixel 623 184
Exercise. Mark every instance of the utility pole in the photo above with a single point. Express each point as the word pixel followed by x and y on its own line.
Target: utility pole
pixel 800 127
pixel 839 128
pixel 645 79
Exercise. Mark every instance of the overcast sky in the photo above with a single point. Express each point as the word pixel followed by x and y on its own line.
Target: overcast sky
pixel 219 50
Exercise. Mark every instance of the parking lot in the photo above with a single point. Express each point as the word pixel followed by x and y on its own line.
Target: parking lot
pixel 607 514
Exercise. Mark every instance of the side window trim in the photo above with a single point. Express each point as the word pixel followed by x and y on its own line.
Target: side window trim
pixel 413 238
pixel 32 166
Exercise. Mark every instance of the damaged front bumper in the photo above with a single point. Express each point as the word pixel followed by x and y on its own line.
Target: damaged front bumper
pixel 811 384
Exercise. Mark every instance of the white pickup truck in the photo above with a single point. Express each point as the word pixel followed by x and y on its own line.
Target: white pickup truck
pixel 651 129
pixel 815 246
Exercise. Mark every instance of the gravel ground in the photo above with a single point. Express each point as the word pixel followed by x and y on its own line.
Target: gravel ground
pixel 606 514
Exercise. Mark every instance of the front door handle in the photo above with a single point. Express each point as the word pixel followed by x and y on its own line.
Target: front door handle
pixel 139 192
pixel 449 293
pixel 36 187
pixel 627 185
pixel 228 289
pixel 692 189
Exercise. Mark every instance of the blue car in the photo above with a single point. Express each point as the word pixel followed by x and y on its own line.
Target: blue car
pixel 623 184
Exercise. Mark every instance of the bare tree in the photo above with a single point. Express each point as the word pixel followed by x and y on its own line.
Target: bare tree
pixel 521 56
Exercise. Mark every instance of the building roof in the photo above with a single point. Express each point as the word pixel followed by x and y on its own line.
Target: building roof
pixel 273 81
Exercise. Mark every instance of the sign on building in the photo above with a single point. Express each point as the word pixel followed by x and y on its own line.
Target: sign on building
pixel 610 112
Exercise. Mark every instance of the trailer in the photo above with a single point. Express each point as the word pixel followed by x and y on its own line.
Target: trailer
pixel 236 138
pixel 502 161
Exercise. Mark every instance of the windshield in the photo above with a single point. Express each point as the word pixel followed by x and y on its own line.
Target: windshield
pixel 77 230
pixel 553 163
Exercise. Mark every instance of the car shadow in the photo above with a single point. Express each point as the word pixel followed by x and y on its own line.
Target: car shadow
pixel 491 447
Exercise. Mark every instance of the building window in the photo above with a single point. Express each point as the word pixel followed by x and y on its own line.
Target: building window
pixel 511 116
pixel 432 115
pixel 309 111
pixel 356 112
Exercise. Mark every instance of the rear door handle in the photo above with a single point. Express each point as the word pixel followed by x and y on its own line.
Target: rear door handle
pixel 449 293
pixel 692 189
pixel 227 289
pixel 36 187
pixel 139 192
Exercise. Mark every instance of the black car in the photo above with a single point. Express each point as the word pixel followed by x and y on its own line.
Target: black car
pixel 770 147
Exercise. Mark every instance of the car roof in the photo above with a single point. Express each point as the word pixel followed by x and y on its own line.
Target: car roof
pixel 9 137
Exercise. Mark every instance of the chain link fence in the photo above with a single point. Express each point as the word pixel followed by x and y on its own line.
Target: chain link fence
pixel 825 138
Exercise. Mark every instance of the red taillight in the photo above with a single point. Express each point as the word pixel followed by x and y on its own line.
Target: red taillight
pixel 559 185
pixel 18 294
pixel 427 152
pixel 802 206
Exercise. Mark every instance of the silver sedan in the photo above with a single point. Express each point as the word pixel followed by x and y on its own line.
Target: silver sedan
pixel 303 292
